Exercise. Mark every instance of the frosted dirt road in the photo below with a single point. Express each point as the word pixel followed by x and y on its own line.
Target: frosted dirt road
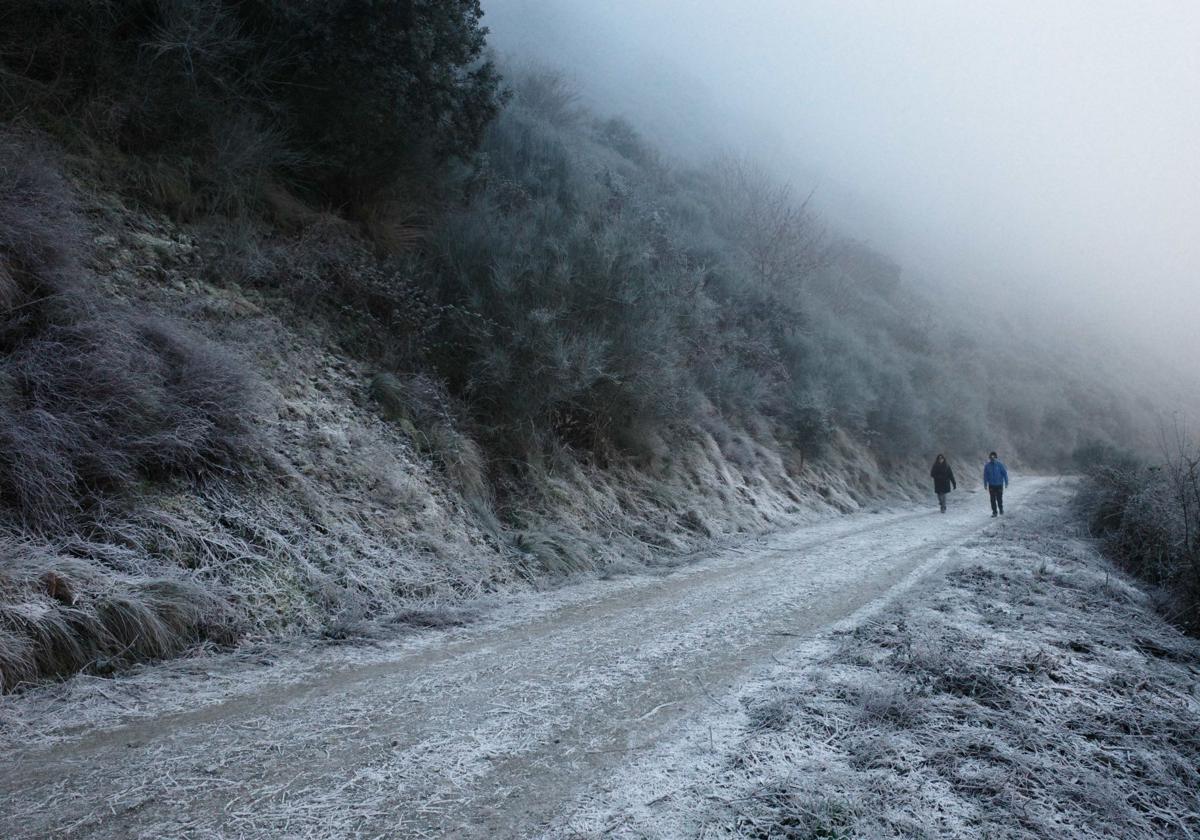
pixel 488 730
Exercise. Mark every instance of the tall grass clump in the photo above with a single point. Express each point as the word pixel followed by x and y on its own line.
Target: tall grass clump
pixel 96 402
pixel 60 614
pixel 93 397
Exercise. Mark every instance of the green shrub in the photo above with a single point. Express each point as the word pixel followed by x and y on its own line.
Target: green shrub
pixel 375 86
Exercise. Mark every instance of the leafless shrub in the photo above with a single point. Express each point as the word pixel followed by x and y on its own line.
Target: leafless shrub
pixel 781 239
pixel 1149 517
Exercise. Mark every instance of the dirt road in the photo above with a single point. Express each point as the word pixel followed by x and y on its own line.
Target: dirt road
pixel 487 730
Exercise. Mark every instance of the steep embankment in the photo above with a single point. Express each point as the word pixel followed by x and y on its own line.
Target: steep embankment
pixel 333 514
pixel 416 334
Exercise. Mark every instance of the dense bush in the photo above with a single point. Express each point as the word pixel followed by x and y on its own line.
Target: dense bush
pixel 1149 518
pixel 341 96
pixel 327 271
pixel 93 397
pixel 563 319
pixel 581 289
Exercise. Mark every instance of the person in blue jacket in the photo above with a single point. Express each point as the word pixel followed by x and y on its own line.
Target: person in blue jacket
pixel 995 479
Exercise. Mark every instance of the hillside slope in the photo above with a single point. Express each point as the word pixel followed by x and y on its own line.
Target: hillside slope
pixel 338 515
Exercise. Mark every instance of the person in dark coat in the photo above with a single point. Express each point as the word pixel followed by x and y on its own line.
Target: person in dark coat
pixel 943 480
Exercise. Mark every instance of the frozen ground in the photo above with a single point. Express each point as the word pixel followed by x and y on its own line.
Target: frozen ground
pixel 1028 692
pixel 623 707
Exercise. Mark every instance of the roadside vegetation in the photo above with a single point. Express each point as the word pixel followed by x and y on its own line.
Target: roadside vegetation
pixel 1147 514
pixel 596 353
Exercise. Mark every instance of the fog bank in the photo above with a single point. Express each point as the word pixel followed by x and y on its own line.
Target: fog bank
pixel 1045 161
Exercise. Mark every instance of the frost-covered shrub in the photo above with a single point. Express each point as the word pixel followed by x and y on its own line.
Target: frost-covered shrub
pixel 93 398
pixel 1149 518
pixel 565 310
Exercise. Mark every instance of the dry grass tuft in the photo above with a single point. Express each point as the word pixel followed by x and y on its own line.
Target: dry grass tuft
pixel 60 613
pixel 98 404
pixel 93 398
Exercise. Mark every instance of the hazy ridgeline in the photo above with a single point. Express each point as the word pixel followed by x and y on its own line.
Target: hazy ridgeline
pixel 529 281
pixel 592 290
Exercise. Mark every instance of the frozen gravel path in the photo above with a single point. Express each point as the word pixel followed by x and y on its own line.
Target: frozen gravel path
pixel 489 730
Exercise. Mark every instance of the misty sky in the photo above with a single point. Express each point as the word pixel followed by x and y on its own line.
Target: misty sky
pixel 1002 147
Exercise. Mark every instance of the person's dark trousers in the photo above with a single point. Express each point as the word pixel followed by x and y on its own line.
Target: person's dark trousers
pixel 942 501
pixel 996 492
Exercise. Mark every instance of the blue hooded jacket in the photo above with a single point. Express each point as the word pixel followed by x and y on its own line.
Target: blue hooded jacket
pixel 994 474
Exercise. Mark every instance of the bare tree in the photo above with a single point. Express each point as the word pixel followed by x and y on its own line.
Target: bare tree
pixel 780 237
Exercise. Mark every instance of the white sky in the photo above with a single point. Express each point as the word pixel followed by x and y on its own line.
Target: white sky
pixel 1043 154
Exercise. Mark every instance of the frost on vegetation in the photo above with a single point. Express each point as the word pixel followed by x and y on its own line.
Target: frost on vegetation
pixel 342 520
pixel 1148 516
pixel 97 401
pixel 145 507
pixel 594 362
pixel 1026 700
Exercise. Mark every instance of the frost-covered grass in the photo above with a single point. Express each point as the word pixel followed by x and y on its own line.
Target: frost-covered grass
pixel 98 400
pixel 486 726
pixel 1033 695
